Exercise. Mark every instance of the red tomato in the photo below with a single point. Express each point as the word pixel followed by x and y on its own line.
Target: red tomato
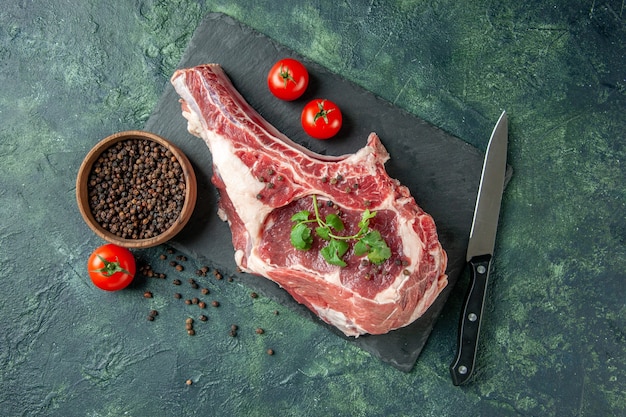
pixel 321 118
pixel 111 267
pixel 288 79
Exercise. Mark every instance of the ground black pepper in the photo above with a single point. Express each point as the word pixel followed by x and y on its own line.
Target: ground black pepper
pixel 136 189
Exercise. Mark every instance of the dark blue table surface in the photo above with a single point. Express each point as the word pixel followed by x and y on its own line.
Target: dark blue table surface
pixel 554 338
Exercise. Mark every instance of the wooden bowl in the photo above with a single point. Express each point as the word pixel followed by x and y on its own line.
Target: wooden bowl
pixel 82 190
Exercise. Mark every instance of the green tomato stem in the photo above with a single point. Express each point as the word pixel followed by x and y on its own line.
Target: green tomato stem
pixel 110 267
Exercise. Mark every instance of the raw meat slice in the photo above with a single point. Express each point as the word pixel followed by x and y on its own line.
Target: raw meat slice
pixel 263 178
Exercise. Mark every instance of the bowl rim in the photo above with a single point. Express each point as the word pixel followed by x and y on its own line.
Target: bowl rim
pixel 82 193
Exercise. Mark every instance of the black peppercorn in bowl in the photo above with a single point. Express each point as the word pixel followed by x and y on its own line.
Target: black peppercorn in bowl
pixel 136 189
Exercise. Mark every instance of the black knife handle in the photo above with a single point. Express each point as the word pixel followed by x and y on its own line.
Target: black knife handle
pixel 469 325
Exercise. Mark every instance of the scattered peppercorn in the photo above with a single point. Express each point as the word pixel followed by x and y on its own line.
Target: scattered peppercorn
pixel 147 294
pixel 270 352
pixel 154 313
pixel 189 382
pixel 188 302
pixel 259 330
pixel 177 295
pixel 202 304
pixel 173 263
pixel 195 300
pixel 254 295
pixel 181 258
pixel 203 317
pixel 191 332
pixel 179 268
pixel 189 320
pixel 163 257
pixel 150 318
pixel 205 291
pixel 215 303
pixel 176 282
pixel 234 327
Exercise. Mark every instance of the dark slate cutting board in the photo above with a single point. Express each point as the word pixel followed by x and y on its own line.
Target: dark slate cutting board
pixel 441 171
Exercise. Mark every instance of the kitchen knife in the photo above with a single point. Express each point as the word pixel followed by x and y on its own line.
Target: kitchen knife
pixel 480 250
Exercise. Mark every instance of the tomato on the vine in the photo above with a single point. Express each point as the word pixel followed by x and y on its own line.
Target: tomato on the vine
pixel 111 267
pixel 321 118
pixel 288 79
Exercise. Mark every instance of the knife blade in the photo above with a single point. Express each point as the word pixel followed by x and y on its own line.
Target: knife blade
pixel 480 251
